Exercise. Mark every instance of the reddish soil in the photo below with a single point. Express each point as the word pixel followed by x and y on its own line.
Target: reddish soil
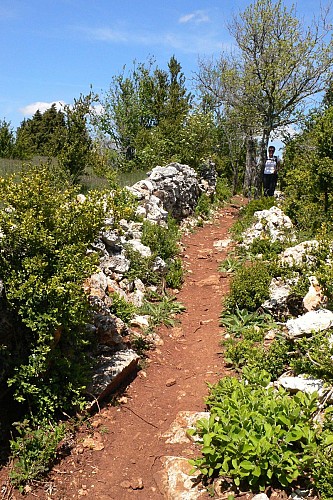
pixel 174 378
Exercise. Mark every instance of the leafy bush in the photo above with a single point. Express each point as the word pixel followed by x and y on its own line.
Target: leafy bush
pixel 43 262
pixel 230 264
pixel 141 267
pixel 175 275
pixel 323 467
pixel 314 356
pixel 257 436
pixel 162 241
pixel 204 206
pixel 240 320
pixel 122 205
pixel 222 190
pixel 250 351
pixel 163 311
pixel 121 308
pixel 34 450
pixel 267 248
pixel 249 287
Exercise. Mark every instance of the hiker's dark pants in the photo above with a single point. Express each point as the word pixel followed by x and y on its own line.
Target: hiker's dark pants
pixel 269 181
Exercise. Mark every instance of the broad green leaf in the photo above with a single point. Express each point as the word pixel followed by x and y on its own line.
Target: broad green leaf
pixel 245 464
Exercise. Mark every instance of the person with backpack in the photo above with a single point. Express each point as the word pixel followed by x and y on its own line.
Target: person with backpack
pixel 271 169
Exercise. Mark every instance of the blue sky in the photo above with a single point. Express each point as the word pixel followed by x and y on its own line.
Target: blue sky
pixel 54 50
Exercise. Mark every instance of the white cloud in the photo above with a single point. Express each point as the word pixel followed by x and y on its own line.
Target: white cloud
pixel 31 109
pixel 196 17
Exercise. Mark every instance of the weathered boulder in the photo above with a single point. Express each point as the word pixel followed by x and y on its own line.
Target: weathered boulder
pixel 279 291
pixel 315 298
pixel 272 224
pixel 312 321
pixel 110 330
pixel 301 254
pixel 302 383
pixel 177 186
pixel 117 263
pixel 137 246
pixel 111 369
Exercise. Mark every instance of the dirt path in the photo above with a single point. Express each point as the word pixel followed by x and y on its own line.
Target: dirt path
pixel 127 449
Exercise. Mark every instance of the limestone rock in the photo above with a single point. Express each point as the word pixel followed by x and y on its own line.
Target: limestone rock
pixel 111 365
pixel 175 482
pixel 279 291
pixel 117 263
pixel 184 420
pixel 315 297
pixel 137 246
pixel 312 321
pixel 272 224
pixel 299 254
pixel 300 383
pixel 110 330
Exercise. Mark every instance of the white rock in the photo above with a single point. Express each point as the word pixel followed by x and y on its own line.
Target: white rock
pixel 220 244
pixel 301 383
pixel 139 247
pixel 272 223
pixel 312 321
pixel 140 321
pixel 116 263
pixel 299 254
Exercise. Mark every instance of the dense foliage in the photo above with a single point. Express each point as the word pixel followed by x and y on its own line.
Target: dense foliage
pixel 45 232
pixel 308 179
pixel 258 436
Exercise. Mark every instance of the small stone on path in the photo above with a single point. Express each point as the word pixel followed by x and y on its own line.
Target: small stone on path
pixel 170 382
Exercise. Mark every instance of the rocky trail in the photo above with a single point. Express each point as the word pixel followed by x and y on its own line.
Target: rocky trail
pixel 136 447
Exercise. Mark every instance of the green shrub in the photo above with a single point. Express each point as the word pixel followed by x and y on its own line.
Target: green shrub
pixel 34 450
pixel 267 248
pixel 162 312
pixel 242 352
pixel 175 275
pixel 240 320
pixel 162 241
pixel 43 262
pixel 204 206
pixel 323 467
pixel 141 267
pixel 314 356
pixel 230 264
pixel 223 190
pixel 257 436
pixel 121 308
pixel 249 287
pixel 250 351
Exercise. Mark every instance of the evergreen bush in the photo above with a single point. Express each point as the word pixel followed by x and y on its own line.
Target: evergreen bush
pixel 249 287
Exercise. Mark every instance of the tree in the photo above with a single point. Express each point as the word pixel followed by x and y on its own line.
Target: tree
pixel 77 152
pixel 308 174
pixel 51 131
pixel 7 139
pixel 278 64
pixel 41 135
pixel 143 112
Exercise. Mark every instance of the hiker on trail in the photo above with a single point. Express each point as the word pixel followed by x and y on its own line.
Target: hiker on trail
pixel 271 169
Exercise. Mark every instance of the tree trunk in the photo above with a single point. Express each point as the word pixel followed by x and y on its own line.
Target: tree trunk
pixel 250 168
pixel 235 174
